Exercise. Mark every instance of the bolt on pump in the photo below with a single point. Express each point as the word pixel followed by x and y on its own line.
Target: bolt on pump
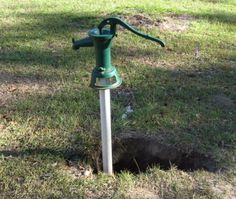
pixel 105 76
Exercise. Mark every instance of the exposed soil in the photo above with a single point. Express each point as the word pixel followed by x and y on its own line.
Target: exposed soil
pixel 173 23
pixel 141 193
pixel 136 152
pixel 76 170
pixel 176 23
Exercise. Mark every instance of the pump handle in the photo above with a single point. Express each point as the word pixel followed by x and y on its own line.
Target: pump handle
pixel 113 21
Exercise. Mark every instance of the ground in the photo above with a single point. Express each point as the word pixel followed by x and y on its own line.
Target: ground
pixel 183 94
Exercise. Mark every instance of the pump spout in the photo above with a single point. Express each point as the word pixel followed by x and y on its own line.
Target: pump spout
pixel 86 42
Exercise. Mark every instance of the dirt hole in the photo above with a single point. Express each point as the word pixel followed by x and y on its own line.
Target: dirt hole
pixel 138 152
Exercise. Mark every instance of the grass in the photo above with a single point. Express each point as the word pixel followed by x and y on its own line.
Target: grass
pixel 48 113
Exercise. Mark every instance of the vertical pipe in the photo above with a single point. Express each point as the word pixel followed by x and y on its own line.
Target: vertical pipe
pixel 105 113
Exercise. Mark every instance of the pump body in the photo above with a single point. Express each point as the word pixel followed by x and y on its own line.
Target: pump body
pixel 105 76
pixel 101 39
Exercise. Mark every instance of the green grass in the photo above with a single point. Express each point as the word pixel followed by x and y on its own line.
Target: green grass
pixel 49 112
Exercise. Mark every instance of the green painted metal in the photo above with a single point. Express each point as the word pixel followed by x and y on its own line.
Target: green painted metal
pixel 104 69
pixel 101 39
pixel 113 21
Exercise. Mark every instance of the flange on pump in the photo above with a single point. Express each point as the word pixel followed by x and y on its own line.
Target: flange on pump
pixel 105 75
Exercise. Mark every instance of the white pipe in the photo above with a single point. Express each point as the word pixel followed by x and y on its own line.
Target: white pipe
pixel 105 113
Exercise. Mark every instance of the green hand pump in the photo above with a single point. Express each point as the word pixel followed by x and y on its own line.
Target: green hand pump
pixel 105 76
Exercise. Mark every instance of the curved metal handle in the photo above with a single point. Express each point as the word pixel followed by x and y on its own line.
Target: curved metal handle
pixel 113 21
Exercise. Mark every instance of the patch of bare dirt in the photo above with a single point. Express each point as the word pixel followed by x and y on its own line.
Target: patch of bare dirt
pixel 141 193
pixel 174 23
pixel 13 86
pixel 178 23
pixel 141 20
pixel 136 152
pixel 78 171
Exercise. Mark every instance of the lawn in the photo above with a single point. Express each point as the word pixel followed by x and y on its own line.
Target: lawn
pixel 184 94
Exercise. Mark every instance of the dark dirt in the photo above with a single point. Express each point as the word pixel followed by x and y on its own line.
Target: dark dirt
pixel 136 152
pixel 173 23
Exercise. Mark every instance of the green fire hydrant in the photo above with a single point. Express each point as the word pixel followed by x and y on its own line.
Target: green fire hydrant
pixel 105 76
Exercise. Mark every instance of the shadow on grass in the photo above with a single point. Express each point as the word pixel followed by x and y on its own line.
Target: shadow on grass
pixel 60 24
pixel 49 36
pixel 44 151
pixel 224 17
pixel 31 56
pixel 28 78
pixel 216 1
pixel 179 104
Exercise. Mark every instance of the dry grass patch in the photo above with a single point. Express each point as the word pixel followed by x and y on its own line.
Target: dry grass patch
pixel 15 86
pixel 173 23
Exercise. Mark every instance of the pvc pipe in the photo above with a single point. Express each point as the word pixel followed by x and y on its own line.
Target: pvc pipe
pixel 105 113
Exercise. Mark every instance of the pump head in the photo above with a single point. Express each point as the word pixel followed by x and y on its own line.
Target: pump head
pixel 101 39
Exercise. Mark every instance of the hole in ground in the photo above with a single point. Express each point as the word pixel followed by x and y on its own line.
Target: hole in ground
pixel 137 152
